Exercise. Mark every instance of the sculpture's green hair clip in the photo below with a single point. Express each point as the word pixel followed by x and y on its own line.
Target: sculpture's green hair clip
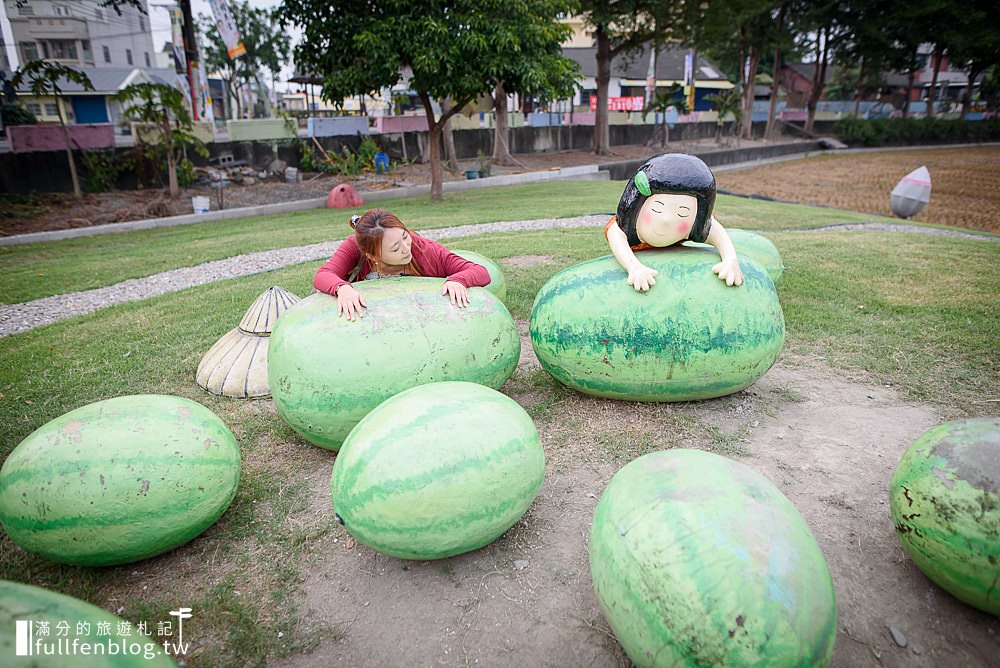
pixel 642 183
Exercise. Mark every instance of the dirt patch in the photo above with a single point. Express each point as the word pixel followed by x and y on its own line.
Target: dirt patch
pixel 528 260
pixel 964 181
pixel 828 443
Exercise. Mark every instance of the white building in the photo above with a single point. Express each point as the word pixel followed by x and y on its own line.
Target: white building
pixel 81 33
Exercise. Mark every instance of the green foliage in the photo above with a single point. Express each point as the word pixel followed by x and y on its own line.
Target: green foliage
pixel 185 173
pixel 102 169
pixel 15 114
pixel 44 77
pixel 344 163
pixel 897 131
pixel 266 47
pixel 366 152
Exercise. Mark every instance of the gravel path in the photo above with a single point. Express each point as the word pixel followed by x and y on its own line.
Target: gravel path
pixel 18 318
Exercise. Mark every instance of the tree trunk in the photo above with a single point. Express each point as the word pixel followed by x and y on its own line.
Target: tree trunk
pixel 772 106
pixel 449 138
pixel 750 74
pixel 909 83
pixel 168 142
pixel 69 152
pixel 501 147
pixel 857 88
pixel 602 135
pixel 974 71
pixel 819 79
pixel 434 139
pixel 932 93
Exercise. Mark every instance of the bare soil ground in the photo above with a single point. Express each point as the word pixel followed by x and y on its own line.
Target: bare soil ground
pixel 829 443
pixel 965 190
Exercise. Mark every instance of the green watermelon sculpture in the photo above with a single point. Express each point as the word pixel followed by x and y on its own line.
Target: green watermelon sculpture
pixel 119 480
pixel 25 647
pixel 756 247
pixel 945 500
pixel 698 560
pixel 690 337
pixel 498 284
pixel 437 470
pixel 327 373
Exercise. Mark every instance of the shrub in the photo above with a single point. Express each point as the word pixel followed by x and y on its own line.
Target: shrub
pixel 883 131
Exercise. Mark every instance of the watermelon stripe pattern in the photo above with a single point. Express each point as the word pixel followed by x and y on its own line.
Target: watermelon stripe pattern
pixel 327 373
pixel 498 283
pixel 437 470
pixel 698 560
pixel 755 247
pixel 690 337
pixel 119 480
pixel 945 502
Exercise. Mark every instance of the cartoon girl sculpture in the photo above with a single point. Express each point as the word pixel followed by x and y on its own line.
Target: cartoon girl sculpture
pixel 669 200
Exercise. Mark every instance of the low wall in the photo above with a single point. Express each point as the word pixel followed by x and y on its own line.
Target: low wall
pixel 336 126
pixel 260 130
pixel 151 135
pixel 49 137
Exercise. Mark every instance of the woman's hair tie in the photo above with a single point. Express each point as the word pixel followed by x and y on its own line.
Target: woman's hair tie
pixel 354 221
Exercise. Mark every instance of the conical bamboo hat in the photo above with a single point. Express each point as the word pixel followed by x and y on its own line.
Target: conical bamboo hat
pixel 236 366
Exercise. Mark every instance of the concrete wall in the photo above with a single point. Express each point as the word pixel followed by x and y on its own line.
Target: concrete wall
pixel 337 126
pixel 41 138
pixel 260 130
pixel 149 134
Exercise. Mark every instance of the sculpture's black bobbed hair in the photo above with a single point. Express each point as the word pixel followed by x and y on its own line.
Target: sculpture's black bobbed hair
pixel 673 174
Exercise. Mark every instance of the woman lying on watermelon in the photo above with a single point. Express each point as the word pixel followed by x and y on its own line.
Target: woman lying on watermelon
pixel 669 200
pixel 382 247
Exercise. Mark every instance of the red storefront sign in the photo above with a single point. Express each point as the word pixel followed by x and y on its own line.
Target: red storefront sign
pixel 635 103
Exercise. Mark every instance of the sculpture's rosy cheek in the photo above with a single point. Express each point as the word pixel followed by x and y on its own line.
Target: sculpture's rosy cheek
pixel 645 217
pixel 683 228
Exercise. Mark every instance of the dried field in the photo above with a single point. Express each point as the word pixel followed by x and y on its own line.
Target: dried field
pixel 965 183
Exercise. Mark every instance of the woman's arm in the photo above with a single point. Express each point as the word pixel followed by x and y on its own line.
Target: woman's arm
pixel 640 277
pixel 458 269
pixel 729 269
pixel 334 272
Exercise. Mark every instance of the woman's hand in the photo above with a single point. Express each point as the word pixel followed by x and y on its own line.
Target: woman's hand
pixel 641 277
pixel 729 271
pixel 459 293
pixel 350 302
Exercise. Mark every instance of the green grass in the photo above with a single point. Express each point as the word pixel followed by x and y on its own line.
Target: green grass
pixel 40 270
pixel 912 310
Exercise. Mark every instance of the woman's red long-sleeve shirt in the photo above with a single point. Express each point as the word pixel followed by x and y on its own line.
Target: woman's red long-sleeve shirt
pixel 432 258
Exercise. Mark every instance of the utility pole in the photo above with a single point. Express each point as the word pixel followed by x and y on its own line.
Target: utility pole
pixel 191 56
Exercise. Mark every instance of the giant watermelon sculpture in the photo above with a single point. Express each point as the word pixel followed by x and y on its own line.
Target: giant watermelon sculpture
pixel 438 470
pixel 757 247
pixel 119 480
pixel 692 337
pixel 945 500
pixel 698 560
pixel 327 372
pixel 24 608
pixel 498 283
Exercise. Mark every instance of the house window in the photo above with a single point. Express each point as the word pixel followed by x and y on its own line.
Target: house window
pixel 99 13
pixel 107 54
pixel 61 10
pixel 45 49
pixel 128 56
pixel 85 47
pixel 34 108
pixel 63 50
pixel 148 62
pixel 27 10
pixel 29 51
pixel 142 24
pixel 51 109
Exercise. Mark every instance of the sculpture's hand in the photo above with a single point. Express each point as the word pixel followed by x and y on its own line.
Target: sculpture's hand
pixel 642 278
pixel 729 271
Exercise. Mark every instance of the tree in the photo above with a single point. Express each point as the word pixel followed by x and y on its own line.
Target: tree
pixel 47 78
pixel 535 66
pixel 266 48
pixel 451 49
pixel 163 107
pixel 727 103
pixel 619 27
pixel 660 104
pixel 972 42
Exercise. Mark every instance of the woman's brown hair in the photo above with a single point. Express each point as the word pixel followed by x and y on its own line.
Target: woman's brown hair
pixel 368 231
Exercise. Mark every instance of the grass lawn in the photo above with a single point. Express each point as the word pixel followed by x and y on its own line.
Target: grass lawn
pixel 916 311
pixel 40 270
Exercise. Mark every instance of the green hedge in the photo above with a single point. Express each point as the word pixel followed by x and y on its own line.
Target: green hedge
pixel 881 131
